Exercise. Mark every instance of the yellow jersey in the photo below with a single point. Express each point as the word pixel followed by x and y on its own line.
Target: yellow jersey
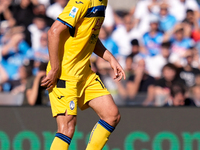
pixel 84 19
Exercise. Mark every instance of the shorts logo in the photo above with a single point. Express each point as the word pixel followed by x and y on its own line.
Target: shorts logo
pixel 73 12
pixel 72 105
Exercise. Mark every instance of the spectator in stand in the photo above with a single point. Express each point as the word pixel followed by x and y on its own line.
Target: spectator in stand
pixel 144 9
pixel 55 9
pixel 178 8
pixel 189 17
pixel 194 20
pixel 155 64
pixel 5 13
pixel 141 82
pixel 153 39
pixel 25 71
pixel 109 20
pixel 162 86
pixel 178 97
pixel 23 13
pixel 34 93
pixel 41 55
pixel 166 21
pixel 40 10
pixel 45 3
pixel 180 43
pixel 136 50
pixel 14 51
pixel 196 58
pixel 36 29
pixel 187 72
pixel 195 90
pixel 123 35
pixel 107 41
pixel 129 66
pixel 3 75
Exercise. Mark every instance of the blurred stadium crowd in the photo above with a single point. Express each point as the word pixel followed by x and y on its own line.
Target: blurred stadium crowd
pixel 157 42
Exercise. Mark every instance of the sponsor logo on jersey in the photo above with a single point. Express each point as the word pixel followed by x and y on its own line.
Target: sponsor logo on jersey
pixel 72 105
pixel 73 12
pixel 95 11
pixel 98 24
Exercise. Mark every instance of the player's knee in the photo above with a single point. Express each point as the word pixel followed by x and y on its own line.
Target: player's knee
pixel 68 127
pixel 113 119
pixel 117 119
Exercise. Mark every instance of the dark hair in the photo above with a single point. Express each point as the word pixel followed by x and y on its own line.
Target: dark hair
pixel 179 30
pixel 130 56
pixel 177 88
pixel 40 17
pixel 171 66
pixel 134 42
pixel 166 45
pixel 189 11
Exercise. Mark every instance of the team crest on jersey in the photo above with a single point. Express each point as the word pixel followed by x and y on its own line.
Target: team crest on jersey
pixel 73 12
pixel 72 105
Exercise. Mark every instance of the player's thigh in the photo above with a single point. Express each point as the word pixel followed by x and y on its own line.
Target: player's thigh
pixel 106 109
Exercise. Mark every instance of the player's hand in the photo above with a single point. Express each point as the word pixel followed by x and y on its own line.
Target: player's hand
pixel 118 71
pixel 50 80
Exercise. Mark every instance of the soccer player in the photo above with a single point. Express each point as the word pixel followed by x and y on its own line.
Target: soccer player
pixel 71 83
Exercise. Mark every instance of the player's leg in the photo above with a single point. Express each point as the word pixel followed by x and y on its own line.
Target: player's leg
pixel 64 109
pixel 109 115
pixel 66 127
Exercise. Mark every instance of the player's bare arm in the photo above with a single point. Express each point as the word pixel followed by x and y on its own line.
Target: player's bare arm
pixel 53 44
pixel 102 52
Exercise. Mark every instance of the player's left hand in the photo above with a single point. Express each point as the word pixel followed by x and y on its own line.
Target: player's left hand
pixel 118 71
pixel 50 80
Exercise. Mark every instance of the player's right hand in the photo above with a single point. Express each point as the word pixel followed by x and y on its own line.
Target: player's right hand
pixel 50 80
